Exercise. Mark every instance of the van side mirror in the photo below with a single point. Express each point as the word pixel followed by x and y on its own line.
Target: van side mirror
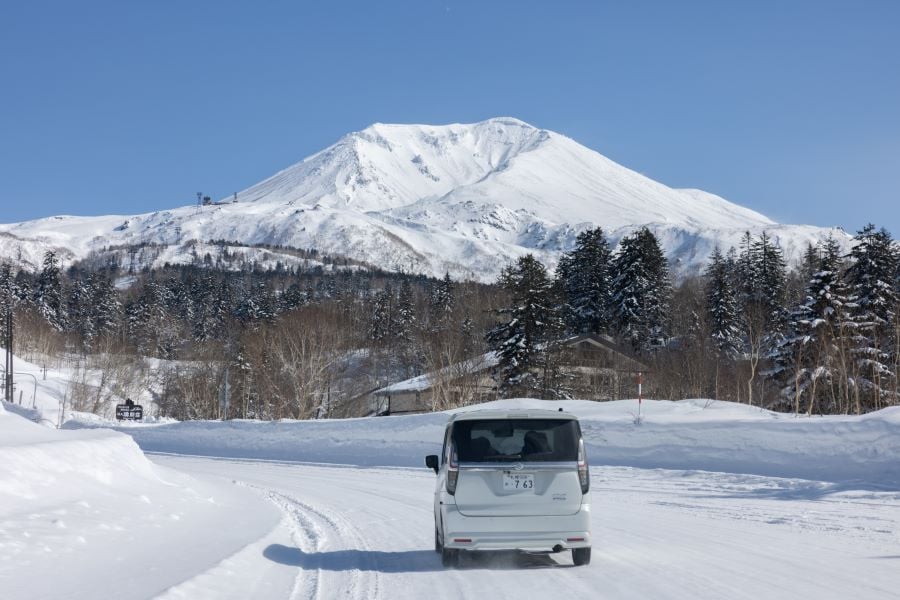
pixel 431 461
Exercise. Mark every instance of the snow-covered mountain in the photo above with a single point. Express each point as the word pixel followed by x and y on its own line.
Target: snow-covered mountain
pixel 421 198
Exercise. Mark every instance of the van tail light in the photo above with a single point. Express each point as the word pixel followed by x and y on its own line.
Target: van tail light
pixel 584 476
pixel 452 472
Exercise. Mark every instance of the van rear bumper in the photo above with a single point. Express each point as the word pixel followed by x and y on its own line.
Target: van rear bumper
pixel 535 533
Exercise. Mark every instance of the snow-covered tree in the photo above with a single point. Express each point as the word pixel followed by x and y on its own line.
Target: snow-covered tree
pixel 10 293
pixel 767 282
pixel 762 284
pixel 48 296
pixel 584 274
pixel 405 317
pixel 107 308
pixel 813 361
pixel 440 303
pixel 292 298
pixel 147 320
pixel 524 343
pixel 202 298
pixel 257 306
pixel 721 306
pixel 80 312
pixel 874 301
pixel 381 315
pixel 641 291
pixel 404 329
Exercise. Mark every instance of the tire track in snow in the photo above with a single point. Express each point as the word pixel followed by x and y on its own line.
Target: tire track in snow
pixel 312 529
pixel 307 537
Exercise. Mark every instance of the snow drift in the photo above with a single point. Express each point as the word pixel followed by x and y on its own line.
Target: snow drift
pixel 686 435
pixel 75 504
pixel 38 465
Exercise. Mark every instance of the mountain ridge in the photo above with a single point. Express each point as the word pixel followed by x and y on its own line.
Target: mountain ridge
pixel 459 198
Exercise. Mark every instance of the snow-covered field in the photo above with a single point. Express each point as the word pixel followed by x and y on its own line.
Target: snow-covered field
pixel 701 500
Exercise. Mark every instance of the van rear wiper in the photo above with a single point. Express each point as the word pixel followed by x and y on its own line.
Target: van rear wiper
pixel 507 457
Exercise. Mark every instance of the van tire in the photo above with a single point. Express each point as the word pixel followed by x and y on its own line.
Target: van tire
pixel 581 556
pixel 449 557
pixel 437 541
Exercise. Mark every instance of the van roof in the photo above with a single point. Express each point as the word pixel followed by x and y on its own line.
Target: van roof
pixel 525 413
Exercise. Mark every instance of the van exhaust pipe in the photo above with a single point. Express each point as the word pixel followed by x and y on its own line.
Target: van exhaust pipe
pixel 558 548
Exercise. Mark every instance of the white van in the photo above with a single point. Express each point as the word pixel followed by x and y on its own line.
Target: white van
pixel 512 480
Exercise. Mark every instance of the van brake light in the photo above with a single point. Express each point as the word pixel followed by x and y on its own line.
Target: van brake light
pixel 584 476
pixel 452 471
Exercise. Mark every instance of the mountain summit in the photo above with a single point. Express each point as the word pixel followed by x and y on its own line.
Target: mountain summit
pixel 504 162
pixel 391 166
pixel 425 198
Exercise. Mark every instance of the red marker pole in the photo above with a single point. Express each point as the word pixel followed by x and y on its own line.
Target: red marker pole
pixel 640 380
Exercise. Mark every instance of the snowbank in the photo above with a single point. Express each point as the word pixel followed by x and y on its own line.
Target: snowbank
pixel 686 435
pixel 41 466
pixel 73 504
pixel 382 441
pixel 735 438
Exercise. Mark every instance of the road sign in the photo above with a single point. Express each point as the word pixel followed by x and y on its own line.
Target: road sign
pixel 129 411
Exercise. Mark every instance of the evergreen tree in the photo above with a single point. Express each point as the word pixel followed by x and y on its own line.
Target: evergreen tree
pixel 404 328
pixel 292 298
pixel 405 317
pixel 809 264
pixel 24 284
pixel 80 313
pixel 467 330
pixel 745 271
pixel 766 283
pixel 874 263
pixel 440 305
pixel 763 289
pixel 146 320
pixel 224 307
pixel 257 306
pixel 202 299
pixel 524 343
pixel 48 296
pixel 584 274
pixel 381 315
pixel 799 277
pixel 873 267
pixel 641 291
pixel 10 294
pixel 178 296
pixel 106 306
pixel 721 306
pixel 812 360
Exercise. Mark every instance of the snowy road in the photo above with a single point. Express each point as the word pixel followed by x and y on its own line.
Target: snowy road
pixel 351 532
pixel 84 514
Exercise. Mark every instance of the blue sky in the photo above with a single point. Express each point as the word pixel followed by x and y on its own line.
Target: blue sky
pixel 790 108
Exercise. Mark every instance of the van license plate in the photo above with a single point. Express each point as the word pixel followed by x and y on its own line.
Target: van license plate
pixel 518 481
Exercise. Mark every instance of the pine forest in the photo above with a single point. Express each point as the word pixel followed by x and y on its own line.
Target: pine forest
pixel 819 337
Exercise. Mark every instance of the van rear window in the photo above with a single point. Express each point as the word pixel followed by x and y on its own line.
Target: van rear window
pixel 499 440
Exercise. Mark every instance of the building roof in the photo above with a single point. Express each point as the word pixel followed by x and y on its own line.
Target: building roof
pixel 426 381
pixel 604 341
pixel 525 413
pixel 490 360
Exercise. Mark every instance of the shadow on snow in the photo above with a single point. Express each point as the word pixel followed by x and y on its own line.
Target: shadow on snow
pixel 410 561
